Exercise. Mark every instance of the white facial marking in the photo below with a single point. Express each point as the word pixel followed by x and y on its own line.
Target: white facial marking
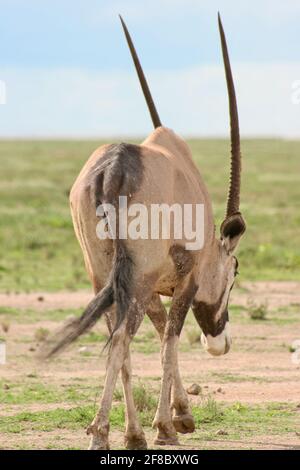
pixel 218 345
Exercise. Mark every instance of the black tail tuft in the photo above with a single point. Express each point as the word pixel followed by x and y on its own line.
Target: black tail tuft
pixel 122 282
pixel 73 329
pixel 117 290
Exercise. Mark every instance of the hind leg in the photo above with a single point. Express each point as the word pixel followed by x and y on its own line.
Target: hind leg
pixel 118 353
pixel 182 418
pixel 134 434
pixel 99 428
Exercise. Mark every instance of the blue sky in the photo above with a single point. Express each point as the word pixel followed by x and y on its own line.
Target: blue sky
pixel 68 72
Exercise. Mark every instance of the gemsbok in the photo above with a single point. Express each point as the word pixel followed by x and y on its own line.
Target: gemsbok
pixel 129 275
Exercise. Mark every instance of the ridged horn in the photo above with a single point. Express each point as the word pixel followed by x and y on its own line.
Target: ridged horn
pixel 233 202
pixel 150 103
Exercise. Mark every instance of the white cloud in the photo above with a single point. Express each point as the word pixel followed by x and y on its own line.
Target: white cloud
pixel 74 103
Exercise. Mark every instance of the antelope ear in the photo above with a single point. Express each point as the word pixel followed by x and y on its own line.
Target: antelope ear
pixel 232 229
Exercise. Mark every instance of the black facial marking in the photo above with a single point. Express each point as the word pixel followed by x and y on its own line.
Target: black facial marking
pixel 179 308
pixel 205 315
pixel 236 272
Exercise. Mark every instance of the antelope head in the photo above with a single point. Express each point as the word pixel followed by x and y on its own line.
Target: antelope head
pixel 215 284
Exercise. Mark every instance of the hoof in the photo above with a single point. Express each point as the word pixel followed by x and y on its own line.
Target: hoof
pixel 98 441
pixel 97 444
pixel 166 433
pixel 135 443
pixel 184 423
pixel 166 441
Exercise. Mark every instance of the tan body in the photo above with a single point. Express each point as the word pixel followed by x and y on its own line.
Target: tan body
pixel 170 176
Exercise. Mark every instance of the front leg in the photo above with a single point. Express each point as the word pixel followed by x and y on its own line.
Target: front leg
pixel 118 356
pixel 182 418
pixel 166 431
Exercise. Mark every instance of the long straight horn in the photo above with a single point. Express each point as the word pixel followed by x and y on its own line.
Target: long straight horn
pixel 233 202
pixel 150 103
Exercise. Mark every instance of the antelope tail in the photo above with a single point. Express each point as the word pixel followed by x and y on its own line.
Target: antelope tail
pixel 116 290
pixel 120 173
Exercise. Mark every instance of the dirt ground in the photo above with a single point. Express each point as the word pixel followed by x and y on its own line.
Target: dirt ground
pixel 258 370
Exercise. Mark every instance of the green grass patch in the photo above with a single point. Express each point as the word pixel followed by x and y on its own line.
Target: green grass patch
pixel 38 248
pixel 146 343
pixel 145 400
pixel 73 418
pixel 33 316
pixel 237 421
pixel 227 377
pixel 257 312
pixel 93 337
pixel 241 421
pixel 261 314
pixel 33 391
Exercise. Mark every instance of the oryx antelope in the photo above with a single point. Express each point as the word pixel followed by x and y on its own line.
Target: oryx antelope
pixel 128 276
